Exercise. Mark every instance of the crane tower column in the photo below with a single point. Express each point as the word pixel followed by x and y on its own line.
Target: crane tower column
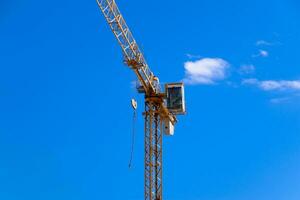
pixel 161 107
pixel 153 149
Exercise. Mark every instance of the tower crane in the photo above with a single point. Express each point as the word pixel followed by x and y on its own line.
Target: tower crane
pixel 161 104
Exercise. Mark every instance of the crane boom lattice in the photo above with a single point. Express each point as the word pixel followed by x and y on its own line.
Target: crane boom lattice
pixel 133 56
pixel 160 107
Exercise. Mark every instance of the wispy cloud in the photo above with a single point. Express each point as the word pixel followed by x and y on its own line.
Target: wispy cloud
pixel 205 71
pixel 267 43
pixel 273 85
pixel 192 56
pixel 246 69
pixel 263 43
pixel 261 53
pixel 280 100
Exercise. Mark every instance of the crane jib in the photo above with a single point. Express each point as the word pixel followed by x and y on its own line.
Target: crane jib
pixel 133 56
pixel 159 107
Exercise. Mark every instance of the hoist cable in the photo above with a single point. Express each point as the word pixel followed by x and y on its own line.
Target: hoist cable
pixel 132 138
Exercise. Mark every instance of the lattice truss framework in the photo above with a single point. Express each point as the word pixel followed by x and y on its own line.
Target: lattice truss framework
pixel 133 55
pixel 153 151
pixel 155 110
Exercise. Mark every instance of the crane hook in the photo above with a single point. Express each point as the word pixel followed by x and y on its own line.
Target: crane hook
pixel 134 104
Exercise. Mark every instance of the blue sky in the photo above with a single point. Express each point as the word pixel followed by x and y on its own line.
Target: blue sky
pixel 65 114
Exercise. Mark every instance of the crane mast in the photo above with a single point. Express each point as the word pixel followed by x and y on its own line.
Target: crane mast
pixel 157 115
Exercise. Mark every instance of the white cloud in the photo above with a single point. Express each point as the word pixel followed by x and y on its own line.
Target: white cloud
pixel 247 69
pixel 267 43
pixel 271 85
pixel 263 43
pixel 192 56
pixel 261 53
pixel 205 71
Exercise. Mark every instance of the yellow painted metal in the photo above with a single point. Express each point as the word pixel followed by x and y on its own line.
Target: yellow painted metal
pixel 155 110
pixel 133 56
pixel 153 150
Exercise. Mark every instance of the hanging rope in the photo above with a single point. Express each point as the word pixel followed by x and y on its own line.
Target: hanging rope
pixel 134 106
